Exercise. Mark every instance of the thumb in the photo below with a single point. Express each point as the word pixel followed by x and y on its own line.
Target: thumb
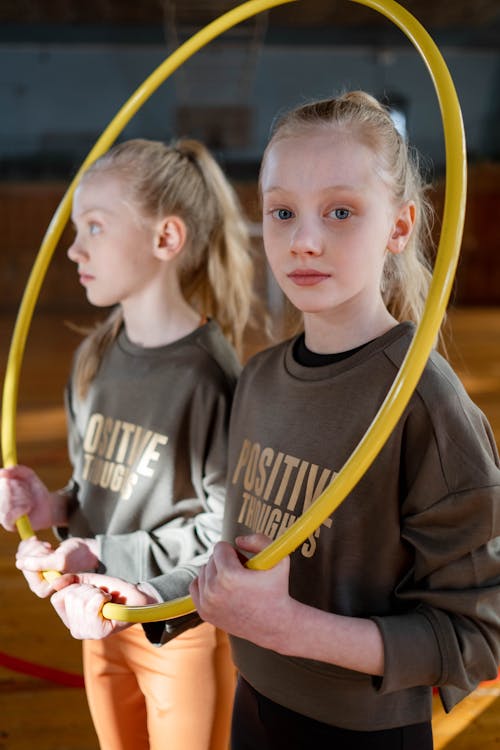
pixel 65 580
pixel 39 562
pixel 253 542
pixel 92 579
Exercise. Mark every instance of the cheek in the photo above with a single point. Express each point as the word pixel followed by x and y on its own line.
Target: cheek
pixel 268 245
pixel 274 264
pixel 275 243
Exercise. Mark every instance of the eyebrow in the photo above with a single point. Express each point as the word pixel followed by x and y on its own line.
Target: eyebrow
pixel 345 188
pixel 96 208
pixel 91 210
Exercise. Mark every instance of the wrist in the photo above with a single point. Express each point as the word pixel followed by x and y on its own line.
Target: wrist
pixel 149 591
pixel 285 629
pixel 94 547
pixel 59 508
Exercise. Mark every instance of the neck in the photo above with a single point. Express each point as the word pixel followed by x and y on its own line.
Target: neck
pixel 331 332
pixel 159 319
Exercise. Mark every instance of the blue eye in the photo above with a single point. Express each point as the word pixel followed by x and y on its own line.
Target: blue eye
pixel 282 214
pixel 341 213
pixel 94 228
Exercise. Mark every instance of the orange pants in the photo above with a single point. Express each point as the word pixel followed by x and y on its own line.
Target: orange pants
pixel 175 697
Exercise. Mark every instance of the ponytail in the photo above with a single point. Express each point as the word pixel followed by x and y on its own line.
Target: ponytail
pixel 217 275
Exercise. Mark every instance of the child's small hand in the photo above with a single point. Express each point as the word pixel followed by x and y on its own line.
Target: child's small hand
pixel 79 606
pixel 251 604
pixel 23 493
pixel 37 551
pixel 79 600
pixel 71 556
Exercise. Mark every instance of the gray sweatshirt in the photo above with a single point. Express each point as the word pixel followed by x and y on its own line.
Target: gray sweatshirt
pixel 148 446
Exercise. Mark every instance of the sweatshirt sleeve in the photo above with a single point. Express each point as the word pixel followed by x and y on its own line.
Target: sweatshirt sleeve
pixel 448 631
pixel 169 556
pixel 74 443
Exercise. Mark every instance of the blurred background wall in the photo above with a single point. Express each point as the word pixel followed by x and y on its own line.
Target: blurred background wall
pixel 67 66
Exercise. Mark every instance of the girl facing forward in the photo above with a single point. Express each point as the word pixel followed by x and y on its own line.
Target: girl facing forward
pixel 160 237
pixel 398 591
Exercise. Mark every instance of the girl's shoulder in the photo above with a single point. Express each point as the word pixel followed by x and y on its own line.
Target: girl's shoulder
pixel 211 353
pixel 438 380
pixel 441 401
pixel 210 367
pixel 270 357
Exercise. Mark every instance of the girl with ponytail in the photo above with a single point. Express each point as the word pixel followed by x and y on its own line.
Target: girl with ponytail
pixel 161 240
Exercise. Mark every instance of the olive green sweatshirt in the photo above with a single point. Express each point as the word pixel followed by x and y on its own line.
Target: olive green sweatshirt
pixel 415 546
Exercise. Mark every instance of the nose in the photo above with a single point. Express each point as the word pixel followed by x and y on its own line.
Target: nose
pixel 75 251
pixel 306 239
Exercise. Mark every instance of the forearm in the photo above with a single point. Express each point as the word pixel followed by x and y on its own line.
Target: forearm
pixel 255 605
pixel 348 642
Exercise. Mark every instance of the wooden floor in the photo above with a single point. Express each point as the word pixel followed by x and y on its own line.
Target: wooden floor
pixel 42 714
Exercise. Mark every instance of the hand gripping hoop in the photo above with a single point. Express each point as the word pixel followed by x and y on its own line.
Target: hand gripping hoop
pixel 418 352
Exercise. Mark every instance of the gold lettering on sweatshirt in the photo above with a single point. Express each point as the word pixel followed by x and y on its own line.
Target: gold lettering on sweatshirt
pixel 276 488
pixel 118 453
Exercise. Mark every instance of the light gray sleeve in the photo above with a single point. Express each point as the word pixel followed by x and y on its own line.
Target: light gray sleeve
pixel 170 556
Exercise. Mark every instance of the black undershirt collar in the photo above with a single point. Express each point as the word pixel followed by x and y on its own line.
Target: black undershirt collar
pixel 305 357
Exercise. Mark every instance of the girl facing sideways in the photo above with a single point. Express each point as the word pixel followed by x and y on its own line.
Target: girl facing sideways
pixel 160 238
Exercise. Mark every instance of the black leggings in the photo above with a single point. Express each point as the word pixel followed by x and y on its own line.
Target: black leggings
pixel 261 724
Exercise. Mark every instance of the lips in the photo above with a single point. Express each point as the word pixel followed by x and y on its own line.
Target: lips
pixel 307 277
pixel 85 278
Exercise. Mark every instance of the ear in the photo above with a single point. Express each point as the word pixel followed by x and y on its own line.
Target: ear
pixel 170 237
pixel 402 228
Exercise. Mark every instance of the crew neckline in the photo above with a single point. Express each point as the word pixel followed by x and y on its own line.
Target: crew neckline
pixel 137 350
pixel 306 357
pixel 353 358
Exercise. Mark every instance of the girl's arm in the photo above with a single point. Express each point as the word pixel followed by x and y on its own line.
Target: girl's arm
pixel 256 606
pixel 170 554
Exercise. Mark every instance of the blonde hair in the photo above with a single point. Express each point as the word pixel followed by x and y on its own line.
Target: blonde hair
pixel 406 277
pixel 216 270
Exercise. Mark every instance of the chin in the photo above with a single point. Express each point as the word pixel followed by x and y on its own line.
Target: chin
pixel 100 302
pixel 311 306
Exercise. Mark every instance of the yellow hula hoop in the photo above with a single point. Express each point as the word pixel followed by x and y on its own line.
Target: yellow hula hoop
pixel 61 216
pixel 421 346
